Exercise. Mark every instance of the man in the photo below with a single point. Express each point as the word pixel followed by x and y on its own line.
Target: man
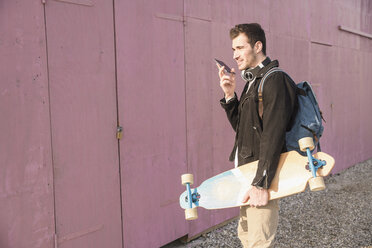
pixel 257 138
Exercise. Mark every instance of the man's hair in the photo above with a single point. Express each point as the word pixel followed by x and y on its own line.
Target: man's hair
pixel 253 31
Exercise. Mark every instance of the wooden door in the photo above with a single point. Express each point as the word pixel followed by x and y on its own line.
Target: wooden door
pixel 151 96
pixel 81 63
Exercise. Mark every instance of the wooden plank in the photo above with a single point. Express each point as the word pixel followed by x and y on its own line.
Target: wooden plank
pixel 88 3
pixel 354 31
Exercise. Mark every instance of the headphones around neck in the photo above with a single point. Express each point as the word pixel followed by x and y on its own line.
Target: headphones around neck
pixel 251 73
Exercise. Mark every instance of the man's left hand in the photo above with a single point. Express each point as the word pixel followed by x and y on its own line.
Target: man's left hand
pixel 257 197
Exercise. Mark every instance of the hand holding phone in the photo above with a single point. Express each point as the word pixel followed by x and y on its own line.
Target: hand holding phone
pixel 227 79
pixel 227 69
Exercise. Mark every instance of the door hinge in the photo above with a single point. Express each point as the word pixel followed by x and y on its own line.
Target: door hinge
pixel 43 1
pixel 119 132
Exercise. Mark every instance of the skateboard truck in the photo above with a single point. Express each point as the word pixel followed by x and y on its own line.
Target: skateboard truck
pixel 316 183
pixel 192 198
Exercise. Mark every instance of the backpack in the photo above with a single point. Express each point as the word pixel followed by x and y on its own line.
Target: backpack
pixel 307 122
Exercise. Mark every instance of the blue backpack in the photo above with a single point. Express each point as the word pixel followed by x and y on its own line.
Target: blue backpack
pixel 308 119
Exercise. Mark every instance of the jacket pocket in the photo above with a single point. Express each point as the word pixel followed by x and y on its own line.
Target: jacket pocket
pixel 246 152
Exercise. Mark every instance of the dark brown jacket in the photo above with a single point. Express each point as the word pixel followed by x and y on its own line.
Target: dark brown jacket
pixel 257 139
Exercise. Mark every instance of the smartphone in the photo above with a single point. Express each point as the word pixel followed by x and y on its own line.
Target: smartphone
pixel 220 63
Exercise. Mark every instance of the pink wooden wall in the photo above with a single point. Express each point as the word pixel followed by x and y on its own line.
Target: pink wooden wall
pixel 26 181
pixel 73 70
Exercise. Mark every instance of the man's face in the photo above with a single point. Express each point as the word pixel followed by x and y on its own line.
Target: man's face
pixel 244 54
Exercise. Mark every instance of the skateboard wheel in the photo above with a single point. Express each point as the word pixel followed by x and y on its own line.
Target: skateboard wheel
pixel 316 184
pixel 191 214
pixel 187 178
pixel 306 142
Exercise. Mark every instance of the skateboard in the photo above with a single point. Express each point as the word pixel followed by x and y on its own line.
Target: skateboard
pixel 228 188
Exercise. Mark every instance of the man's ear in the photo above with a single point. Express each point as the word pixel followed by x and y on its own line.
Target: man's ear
pixel 258 47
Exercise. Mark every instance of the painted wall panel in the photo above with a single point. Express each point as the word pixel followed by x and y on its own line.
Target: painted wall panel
pixel 365 103
pixel 26 183
pixel 151 89
pixel 346 108
pixel 349 17
pixel 323 24
pixel 198 107
pixel 198 9
pixel 290 18
pixel 321 79
pixel 83 117
pixel 168 105
pixel 366 26
pixel 293 55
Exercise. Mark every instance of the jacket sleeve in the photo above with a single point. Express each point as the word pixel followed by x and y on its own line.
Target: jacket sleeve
pixel 231 109
pixel 279 98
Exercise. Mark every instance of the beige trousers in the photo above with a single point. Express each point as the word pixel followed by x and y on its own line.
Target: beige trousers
pixel 257 226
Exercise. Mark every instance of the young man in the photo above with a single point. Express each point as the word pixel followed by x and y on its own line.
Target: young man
pixel 256 138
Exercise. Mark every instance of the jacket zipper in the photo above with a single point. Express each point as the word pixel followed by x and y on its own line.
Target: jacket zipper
pixel 257 132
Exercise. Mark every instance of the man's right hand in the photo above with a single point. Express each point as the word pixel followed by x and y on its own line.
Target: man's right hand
pixel 227 81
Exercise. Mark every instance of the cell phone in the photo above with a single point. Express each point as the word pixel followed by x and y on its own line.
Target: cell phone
pixel 227 68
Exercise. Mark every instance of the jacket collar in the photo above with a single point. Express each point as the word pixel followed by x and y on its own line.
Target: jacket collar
pixel 272 64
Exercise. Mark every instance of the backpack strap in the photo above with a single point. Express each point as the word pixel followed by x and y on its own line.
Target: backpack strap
pixel 260 89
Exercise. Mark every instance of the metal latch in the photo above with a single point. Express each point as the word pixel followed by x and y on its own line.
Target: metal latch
pixel 119 132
